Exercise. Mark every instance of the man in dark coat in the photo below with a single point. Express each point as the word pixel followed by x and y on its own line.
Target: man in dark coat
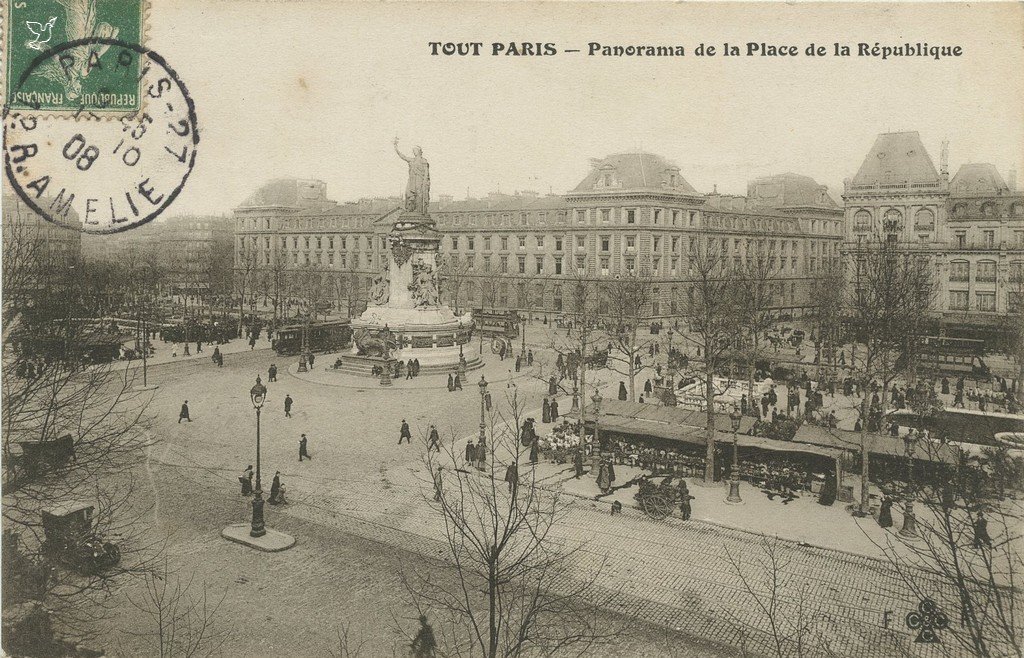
pixel 684 500
pixel 554 410
pixel 271 373
pixel 287 406
pixel 744 405
pixel 183 414
pixel 470 453
pixel 529 357
pixel 648 389
pixel 519 363
pixel 534 458
pixel 415 367
pixel 404 433
pixel 409 369
pixel 451 383
pixel 552 385
pixel 512 477
pixel 828 489
pixel 424 645
pixel 577 462
pixel 981 537
pixel 458 382
pixel 545 414
pixel 275 488
pixel 434 442
pixel 623 395
pixel 246 480
pixel 303 452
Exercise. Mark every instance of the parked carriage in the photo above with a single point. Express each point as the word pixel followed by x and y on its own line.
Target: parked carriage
pixel 656 500
pixel 71 540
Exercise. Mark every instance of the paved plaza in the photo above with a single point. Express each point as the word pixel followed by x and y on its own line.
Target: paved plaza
pixel 361 483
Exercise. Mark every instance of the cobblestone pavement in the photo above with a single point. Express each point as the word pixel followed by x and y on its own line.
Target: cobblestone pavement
pixel 360 482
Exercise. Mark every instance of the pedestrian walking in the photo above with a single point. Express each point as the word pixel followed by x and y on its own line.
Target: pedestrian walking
pixel 512 477
pixel 287 406
pixel 605 476
pixel 303 451
pixel 275 489
pixel 416 367
pixel 519 363
pixel 552 385
pixel 408 369
pixel 272 373
pixel 545 414
pixel 245 479
pixel 312 358
pixel 981 537
pixel 451 383
pixel 481 454
pixel 424 645
pixel 534 457
pixel 183 414
pixel 404 433
pixel 885 513
pixel 487 400
pixel 684 500
pixel 623 394
pixel 216 354
pixel 554 410
pixel 577 462
pixel 470 453
pixel 458 382
pixel 434 442
pixel 529 357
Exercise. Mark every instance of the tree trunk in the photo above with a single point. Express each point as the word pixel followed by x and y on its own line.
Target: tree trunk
pixel 864 405
pixel 709 400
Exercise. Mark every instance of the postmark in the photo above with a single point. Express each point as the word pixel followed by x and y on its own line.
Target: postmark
pixel 98 175
pixel 89 75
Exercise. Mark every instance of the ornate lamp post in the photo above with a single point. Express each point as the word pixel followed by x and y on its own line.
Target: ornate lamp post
pixel 304 349
pixel 735 418
pixel 483 395
pixel 596 398
pixel 258 394
pixel 385 375
pixel 522 329
pixel 909 529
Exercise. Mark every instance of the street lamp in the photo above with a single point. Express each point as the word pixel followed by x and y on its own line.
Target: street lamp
pixel 596 398
pixel 909 529
pixel 258 394
pixel 735 418
pixel 385 375
pixel 483 395
pixel 522 329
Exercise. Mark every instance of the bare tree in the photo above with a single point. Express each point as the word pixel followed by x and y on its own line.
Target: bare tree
pixel 710 310
pixel 453 274
pixel 754 281
pixel 73 426
pixel 829 310
pixel 965 555
pixel 245 277
pixel 174 621
pixel 629 298
pixel 887 299
pixel 516 589
pixel 783 625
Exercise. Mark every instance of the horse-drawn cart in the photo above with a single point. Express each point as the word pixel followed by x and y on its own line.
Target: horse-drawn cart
pixel 656 500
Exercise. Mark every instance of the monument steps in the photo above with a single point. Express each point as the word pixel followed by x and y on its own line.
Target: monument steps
pixel 363 366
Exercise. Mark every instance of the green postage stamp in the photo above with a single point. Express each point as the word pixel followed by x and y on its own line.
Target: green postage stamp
pixel 44 73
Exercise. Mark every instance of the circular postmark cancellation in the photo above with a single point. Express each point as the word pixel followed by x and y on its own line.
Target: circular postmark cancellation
pixel 111 173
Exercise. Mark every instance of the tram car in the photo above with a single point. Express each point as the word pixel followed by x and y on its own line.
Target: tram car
pixel 501 328
pixel 324 337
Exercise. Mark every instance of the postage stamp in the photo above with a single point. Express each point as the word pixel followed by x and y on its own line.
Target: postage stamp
pixel 94 174
pixel 91 76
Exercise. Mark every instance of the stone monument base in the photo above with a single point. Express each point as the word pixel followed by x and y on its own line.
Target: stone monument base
pixel 434 335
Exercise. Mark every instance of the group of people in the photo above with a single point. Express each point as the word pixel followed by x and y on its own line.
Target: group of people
pixel 412 368
pixel 549 410
pixel 277 487
pixel 454 382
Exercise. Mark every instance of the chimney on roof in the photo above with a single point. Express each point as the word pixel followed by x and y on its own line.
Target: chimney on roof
pixel 714 188
pixel 944 158
pixel 1011 179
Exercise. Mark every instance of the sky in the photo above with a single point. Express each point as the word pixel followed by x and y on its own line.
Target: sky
pixel 321 89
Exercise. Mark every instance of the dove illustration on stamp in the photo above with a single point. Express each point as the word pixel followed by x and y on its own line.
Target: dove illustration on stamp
pixel 94 170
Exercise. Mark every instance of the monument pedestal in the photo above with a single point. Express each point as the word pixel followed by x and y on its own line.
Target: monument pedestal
pixel 405 319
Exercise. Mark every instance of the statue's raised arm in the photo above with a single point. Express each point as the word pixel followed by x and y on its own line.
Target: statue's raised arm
pixel 404 157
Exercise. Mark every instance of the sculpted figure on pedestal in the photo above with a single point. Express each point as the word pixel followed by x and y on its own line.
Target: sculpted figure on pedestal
pixel 417 190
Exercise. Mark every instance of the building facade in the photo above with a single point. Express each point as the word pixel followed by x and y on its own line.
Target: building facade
pixel 633 213
pixel 970 227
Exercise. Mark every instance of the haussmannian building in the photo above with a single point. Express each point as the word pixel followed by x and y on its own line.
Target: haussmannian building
pixel 970 227
pixel 632 213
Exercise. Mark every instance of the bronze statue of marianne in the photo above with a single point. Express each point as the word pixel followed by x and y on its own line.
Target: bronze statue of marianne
pixel 417 191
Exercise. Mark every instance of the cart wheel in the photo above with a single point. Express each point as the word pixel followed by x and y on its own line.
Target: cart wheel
pixel 657 507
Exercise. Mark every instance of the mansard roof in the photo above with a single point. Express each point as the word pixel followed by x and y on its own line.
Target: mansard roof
pixel 289 193
pixel 789 190
pixel 896 158
pixel 634 172
pixel 978 178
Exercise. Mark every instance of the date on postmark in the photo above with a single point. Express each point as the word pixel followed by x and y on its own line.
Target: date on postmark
pixel 91 76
